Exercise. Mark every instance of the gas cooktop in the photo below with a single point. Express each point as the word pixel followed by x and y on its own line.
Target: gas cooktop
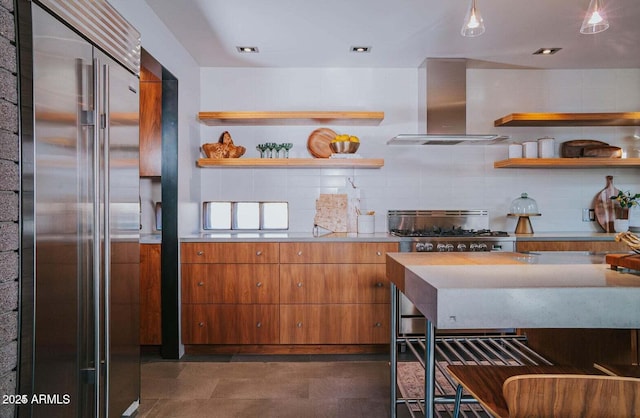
pixel 436 231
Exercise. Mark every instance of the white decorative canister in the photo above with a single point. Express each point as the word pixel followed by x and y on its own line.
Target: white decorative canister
pixel 546 147
pixel 634 219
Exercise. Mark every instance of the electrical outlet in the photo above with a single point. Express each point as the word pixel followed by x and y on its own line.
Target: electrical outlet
pixel 588 215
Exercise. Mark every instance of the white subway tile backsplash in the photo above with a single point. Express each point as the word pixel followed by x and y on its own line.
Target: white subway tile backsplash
pixel 439 177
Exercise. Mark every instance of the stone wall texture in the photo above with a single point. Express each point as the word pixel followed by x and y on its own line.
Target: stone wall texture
pixel 9 205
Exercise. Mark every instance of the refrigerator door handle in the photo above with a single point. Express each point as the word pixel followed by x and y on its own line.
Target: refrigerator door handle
pixel 97 242
pixel 104 127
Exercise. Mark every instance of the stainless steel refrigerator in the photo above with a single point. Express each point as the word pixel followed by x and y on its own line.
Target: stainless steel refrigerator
pixel 79 66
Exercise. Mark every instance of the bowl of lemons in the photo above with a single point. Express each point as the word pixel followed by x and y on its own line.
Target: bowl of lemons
pixel 344 144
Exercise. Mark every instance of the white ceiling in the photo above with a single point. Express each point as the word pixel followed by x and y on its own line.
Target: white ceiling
pixel 401 33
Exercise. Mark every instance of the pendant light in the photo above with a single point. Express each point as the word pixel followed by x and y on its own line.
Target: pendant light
pixel 595 20
pixel 473 24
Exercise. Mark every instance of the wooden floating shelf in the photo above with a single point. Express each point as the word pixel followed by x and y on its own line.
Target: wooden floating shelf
pixel 291 162
pixel 567 162
pixel 570 119
pixel 290 118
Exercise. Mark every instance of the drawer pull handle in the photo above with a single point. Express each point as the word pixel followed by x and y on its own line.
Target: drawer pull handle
pixel 299 253
pixel 378 252
pixel 200 252
pixel 258 253
pixel 201 324
pixel 259 284
pixel 200 284
pixel 299 284
pixel 379 284
pixel 378 324
pixel 299 325
pixel 259 325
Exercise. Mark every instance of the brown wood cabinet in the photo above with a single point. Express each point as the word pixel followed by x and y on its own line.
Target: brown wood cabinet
pixel 230 283
pixel 150 304
pixel 285 295
pixel 230 324
pixel 230 293
pixel 150 124
pixel 592 246
pixel 582 347
pixel 223 252
pixel 334 293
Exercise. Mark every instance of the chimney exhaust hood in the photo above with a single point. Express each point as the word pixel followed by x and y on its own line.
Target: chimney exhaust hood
pixel 446 112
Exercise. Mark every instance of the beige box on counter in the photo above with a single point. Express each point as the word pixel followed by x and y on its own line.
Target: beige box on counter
pixel 332 212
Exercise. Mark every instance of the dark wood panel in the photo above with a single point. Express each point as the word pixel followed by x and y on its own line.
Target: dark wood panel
pixel 593 246
pixel 584 347
pixel 150 128
pixel 150 293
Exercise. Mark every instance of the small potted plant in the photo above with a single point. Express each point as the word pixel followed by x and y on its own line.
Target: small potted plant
pixel 626 200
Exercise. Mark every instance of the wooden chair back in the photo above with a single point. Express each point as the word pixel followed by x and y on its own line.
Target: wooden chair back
pixel 568 396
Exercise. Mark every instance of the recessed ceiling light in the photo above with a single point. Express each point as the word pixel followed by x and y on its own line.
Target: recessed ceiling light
pixel 546 51
pixel 247 49
pixel 360 49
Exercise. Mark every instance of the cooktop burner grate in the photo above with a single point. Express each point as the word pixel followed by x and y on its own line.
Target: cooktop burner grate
pixel 436 231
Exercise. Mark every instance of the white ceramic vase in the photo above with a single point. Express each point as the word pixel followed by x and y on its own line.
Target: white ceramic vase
pixel 634 219
pixel 621 225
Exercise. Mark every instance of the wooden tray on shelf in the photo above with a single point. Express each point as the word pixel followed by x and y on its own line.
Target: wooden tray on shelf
pixel 318 142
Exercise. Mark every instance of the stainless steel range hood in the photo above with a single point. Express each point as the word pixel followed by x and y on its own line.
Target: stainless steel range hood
pixel 446 110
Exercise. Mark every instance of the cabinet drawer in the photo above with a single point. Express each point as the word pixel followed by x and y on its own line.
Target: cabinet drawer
pixel 333 283
pixel 334 324
pixel 336 252
pixel 222 252
pixel 593 246
pixel 230 283
pixel 230 324
pixel 318 324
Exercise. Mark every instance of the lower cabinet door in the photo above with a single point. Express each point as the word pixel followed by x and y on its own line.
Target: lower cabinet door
pixel 334 324
pixel 373 323
pixel 229 324
pixel 318 324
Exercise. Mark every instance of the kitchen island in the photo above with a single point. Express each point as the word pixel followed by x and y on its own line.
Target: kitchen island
pixel 502 290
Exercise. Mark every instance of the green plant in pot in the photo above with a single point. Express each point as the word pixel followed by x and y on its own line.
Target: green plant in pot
pixel 626 200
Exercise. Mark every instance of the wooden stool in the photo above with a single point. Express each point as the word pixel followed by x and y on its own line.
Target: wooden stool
pixel 485 383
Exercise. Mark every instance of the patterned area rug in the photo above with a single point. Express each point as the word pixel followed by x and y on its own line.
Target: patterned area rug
pixel 411 386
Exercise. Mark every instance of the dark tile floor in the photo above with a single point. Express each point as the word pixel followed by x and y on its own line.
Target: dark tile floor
pixel 266 386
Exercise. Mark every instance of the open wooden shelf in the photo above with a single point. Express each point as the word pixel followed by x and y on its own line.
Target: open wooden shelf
pixel 570 119
pixel 291 118
pixel 292 162
pixel 566 162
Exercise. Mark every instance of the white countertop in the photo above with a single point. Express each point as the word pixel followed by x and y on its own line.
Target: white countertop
pixel 540 295
pixel 249 236
pixel 279 236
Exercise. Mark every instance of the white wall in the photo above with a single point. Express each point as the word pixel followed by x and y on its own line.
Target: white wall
pixel 427 177
pixel 162 45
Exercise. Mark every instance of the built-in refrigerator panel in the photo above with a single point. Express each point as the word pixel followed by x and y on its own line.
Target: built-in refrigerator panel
pixel 64 216
pixel 121 134
pixel 86 218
